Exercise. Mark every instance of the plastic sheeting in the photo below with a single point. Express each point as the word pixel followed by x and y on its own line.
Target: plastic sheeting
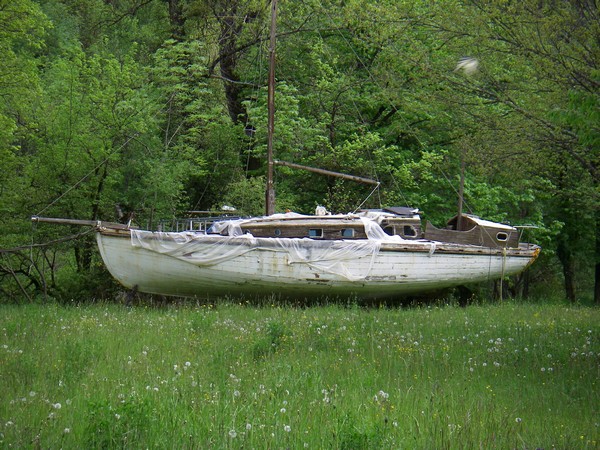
pixel 322 255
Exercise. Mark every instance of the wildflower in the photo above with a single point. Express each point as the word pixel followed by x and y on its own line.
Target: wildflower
pixel 67 430
pixel 248 426
pixel 56 405
pixel 232 434
pixel 31 393
pixel 287 428
pixel 282 410
pixel 518 420
pixel 117 416
pixel 236 393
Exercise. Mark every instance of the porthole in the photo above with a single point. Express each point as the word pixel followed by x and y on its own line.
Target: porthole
pixel 409 231
pixel 348 232
pixel 315 232
pixel 277 232
pixel 502 236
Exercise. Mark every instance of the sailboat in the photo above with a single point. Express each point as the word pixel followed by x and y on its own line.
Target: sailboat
pixel 382 253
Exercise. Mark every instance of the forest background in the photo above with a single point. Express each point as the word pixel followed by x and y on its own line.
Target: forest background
pixel 144 109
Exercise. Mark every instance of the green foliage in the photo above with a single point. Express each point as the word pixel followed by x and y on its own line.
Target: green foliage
pixel 246 195
pixel 113 106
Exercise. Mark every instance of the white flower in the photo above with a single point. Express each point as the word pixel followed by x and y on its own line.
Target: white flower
pixel 67 430
pixel 282 410
pixel 56 405
pixel 232 434
pixel 248 426
pixel 236 393
pixel 287 428
pixel 518 420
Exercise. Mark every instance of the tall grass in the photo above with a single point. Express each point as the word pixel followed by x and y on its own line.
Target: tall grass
pixel 237 376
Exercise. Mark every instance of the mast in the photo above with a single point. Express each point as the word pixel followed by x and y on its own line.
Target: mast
pixel 461 191
pixel 270 194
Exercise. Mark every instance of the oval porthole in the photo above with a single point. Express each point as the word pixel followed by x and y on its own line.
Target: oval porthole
pixel 502 236
pixel 409 231
pixel 348 232
pixel 277 232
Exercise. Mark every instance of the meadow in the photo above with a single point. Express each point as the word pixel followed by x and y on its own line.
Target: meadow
pixel 327 377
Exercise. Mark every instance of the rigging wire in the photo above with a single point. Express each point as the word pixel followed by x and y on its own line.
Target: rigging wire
pixel 372 78
pixel 362 120
pixel 104 161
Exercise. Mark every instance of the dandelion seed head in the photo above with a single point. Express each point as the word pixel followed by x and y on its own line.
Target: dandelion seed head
pixel 287 428
pixel 232 434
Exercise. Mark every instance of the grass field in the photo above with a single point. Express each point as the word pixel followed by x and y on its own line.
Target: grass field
pixel 239 376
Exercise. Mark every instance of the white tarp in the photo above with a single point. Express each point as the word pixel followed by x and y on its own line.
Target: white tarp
pixel 322 255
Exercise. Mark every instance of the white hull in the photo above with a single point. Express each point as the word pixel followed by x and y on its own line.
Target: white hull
pixel 393 270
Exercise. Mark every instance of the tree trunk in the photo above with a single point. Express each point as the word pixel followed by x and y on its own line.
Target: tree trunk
pixel 176 19
pixel 568 264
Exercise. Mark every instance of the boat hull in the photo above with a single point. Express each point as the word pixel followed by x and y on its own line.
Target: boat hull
pixel 393 270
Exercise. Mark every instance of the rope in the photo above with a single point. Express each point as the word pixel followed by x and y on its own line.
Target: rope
pixel 46 244
pixel 376 188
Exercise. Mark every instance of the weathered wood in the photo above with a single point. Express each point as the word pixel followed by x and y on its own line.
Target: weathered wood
pixel 326 172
